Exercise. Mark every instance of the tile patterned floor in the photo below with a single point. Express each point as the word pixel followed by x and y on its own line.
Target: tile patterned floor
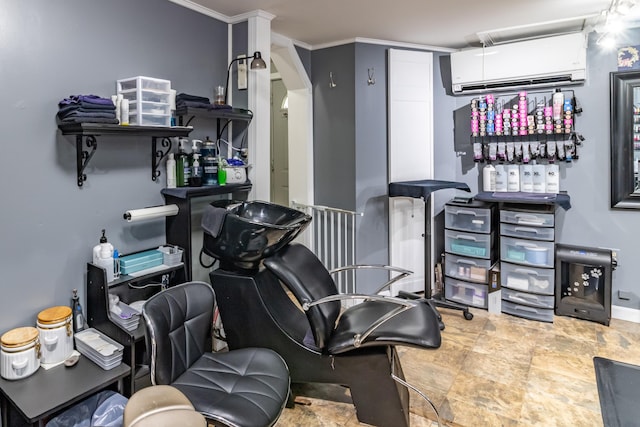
pixel 495 370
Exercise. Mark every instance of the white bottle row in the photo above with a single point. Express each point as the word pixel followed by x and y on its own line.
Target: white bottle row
pixel 530 178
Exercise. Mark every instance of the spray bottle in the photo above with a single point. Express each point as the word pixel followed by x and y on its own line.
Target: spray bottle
pixel 183 170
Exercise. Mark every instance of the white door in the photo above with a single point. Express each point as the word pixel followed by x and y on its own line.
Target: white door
pixel 410 158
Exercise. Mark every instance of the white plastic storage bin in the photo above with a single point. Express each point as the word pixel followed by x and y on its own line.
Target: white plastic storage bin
pixel 144 83
pixel 469 269
pixel 149 120
pixel 157 108
pixel 533 219
pixel 466 293
pixel 533 313
pixel 468 218
pixel 525 298
pixel 527 252
pixel 527 232
pixel 468 244
pixel 528 279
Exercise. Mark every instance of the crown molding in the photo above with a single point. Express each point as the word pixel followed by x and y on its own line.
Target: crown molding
pixel 203 10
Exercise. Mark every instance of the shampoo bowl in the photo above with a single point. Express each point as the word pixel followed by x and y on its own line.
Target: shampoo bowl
pixel 241 234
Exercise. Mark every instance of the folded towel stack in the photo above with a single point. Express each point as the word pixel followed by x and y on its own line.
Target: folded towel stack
pixel 86 109
pixel 184 100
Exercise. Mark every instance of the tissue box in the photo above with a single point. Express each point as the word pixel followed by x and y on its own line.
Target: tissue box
pixel 140 261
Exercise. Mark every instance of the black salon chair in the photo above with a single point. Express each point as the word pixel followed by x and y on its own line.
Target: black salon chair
pixel 247 387
pixel 360 341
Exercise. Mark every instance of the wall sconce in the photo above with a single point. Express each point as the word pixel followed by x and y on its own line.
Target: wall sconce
pixel 257 63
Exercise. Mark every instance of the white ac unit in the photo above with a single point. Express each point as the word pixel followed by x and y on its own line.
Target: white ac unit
pixel 549 61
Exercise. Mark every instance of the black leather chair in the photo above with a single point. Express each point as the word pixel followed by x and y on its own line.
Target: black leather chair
pixel 247 387
pixel 323 344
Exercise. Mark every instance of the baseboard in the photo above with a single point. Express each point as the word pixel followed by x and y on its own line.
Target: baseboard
pixel 625 313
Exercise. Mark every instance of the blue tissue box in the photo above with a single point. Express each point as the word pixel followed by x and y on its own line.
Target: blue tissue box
pixel 140 261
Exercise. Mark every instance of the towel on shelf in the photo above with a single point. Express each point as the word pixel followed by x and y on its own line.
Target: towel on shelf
pixel 192 98
pixel 86 109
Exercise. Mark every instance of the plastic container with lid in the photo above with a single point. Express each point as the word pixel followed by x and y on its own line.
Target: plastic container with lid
pixel 56 333
pixel 19 353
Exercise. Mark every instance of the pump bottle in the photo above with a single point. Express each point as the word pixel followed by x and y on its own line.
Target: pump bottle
pixel 183 170
pixel 103 256
pixel 196 172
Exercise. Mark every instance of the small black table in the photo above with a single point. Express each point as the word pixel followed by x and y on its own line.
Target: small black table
pixel 422 189
pixel 48 391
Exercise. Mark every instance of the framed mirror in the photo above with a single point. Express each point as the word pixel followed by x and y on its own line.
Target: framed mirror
pixel 625 139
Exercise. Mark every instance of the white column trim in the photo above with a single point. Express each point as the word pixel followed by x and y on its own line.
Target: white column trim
pixel 259 93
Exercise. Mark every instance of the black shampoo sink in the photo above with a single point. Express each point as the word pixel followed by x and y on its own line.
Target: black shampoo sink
pixel 241 234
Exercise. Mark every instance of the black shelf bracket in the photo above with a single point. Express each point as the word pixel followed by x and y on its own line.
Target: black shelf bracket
pixel 158 154
pixel 83 156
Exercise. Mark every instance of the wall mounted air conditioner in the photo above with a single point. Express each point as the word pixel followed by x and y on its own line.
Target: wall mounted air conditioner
pixel 550 61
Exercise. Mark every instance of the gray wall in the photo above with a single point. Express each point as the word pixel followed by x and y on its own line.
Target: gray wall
pixel 51 50
pixel 334 127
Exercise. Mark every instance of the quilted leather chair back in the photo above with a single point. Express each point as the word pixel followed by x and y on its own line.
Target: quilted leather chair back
pixel 308 279
pixel 179 327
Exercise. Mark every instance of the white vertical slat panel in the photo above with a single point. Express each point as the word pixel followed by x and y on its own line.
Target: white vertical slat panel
pixel 410 158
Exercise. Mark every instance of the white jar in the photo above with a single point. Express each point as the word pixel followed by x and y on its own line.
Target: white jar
pixel 19 353
pixel 56 333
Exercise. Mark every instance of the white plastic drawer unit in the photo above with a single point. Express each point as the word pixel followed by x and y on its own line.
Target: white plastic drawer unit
pixel 527 279
pixel 147 96
pixel 465 293
pixel 528 218
pixel 534 313
pixel 527 232
pixel 469 269
pixel 468 244
pixel 524 298
pixel 527 252
pixel 468 218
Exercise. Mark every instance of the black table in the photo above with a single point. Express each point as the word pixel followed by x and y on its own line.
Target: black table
pixel 48 391
pixel 422 189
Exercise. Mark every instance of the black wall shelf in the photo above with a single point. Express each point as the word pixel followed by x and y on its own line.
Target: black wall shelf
pixel 90 131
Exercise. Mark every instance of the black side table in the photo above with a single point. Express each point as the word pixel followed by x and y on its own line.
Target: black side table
pixel 49 391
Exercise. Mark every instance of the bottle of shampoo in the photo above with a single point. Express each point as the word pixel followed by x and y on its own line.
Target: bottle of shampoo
pixel 526 178
pixel 489 178
pixel 171 171
pixel 183 170
pixel 78 315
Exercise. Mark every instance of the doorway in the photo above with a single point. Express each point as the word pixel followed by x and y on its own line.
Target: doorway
pixel 279 142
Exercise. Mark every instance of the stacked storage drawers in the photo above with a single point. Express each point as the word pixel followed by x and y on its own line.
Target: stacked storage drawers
pixel 470 251
pixel 149 100
pixel 527 254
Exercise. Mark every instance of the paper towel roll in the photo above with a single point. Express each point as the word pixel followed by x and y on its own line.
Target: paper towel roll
pixel 134 215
